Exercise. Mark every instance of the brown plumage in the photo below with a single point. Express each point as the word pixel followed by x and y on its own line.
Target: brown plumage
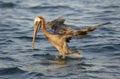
pixel 62 33
pixel 59 27
pixel 58 41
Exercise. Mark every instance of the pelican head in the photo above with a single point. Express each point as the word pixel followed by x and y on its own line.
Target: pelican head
pixel 37 26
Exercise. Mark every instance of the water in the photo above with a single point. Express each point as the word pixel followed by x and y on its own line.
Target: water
pixel 100 49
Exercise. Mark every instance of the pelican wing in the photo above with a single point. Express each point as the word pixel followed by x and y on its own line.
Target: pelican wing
pixel 59 20
pixel 82 33
pixel 67 31
pixel 60 28
pixel 56 21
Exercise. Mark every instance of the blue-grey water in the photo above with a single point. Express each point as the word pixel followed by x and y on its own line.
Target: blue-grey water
pixel 100 49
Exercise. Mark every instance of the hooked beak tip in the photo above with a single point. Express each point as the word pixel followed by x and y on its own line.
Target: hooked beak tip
pixel 32 44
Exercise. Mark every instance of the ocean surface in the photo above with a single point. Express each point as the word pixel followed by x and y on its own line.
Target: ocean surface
pixel 100 49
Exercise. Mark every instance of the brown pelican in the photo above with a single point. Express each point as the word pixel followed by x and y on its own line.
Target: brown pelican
pixel 57 40
pixel 62 33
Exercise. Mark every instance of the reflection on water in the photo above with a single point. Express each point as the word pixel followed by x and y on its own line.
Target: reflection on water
pixel 51 64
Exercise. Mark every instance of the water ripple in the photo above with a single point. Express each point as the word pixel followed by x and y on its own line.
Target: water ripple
pixel 7 59
pixel 7 4
pixel 52 7
pixel 10 71
pixel 100 49
pixel 109 7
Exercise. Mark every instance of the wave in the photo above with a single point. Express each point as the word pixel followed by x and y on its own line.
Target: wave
pixel 109 7
pixel 7 59
pixel 24 37
pixel 30 38
pixel 12 70
pixel 6 42
pixel 112 47
pixel 36 74
pixel 7 4
pixel 109 47
pixel 52 7
pixel 8 29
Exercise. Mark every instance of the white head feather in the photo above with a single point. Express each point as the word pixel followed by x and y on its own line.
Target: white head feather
pixel 37 19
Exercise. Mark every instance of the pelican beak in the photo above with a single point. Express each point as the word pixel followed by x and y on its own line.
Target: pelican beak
pixel 37 26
